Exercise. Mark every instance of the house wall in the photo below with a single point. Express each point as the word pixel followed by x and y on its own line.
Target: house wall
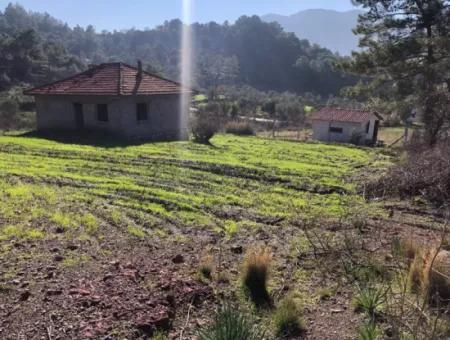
pixel 57 112
pixel 321 131
pixel 163 118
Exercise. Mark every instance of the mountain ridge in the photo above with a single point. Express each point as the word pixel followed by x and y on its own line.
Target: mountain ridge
pixel 328 28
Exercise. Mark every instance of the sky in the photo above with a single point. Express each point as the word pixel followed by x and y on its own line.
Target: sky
pixel 125 14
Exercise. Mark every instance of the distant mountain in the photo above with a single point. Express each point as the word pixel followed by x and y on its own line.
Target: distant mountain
pixel 328 28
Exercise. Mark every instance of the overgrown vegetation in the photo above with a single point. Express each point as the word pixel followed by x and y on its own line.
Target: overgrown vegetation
pixel 423 172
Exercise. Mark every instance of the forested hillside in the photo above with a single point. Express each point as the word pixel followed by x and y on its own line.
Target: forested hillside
pixel 36 48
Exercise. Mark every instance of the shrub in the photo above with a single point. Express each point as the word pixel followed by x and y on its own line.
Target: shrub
pixel 8 114
pixel 256 272
pixel 205 123
pixel 239 128
pixel 287 318
pixel 231 324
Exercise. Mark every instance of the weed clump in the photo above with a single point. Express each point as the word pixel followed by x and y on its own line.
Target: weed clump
pixel 256 272
pixel 287 318
pixel 231 324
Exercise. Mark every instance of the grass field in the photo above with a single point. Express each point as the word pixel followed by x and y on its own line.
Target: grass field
pixel 99 233
pixel 153 188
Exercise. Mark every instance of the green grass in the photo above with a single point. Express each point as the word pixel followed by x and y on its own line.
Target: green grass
pixel 170 185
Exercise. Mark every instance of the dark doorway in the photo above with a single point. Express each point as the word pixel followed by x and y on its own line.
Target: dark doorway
pixel 79 118
pixel 375 131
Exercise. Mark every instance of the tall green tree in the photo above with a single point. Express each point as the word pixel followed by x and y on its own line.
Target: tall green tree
pixel 406 57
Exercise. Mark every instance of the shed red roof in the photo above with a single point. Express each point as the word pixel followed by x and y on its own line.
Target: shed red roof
pixel 344 115
pixel 111 79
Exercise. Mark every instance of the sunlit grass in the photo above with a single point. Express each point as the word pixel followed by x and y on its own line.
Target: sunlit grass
pixel 154 187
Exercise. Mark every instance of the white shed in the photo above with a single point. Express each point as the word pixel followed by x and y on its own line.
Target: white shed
pixel 345 125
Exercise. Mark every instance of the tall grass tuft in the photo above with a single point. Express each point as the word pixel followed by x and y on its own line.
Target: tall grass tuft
pixel 206 264
pixel 416 273
pixel 436 277
pixel 287 318
pixel 369 331
pixel 231 324
pixel 256 268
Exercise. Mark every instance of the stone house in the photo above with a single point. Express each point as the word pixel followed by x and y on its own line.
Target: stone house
pixel 345 126
pixel 115 98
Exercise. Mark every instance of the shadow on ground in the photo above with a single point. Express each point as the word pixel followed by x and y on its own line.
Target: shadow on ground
pixel 87 137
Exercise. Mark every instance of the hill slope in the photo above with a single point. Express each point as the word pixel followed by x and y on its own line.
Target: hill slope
pixel 327 28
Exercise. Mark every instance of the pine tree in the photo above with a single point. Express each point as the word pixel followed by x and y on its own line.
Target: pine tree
pixel 405 57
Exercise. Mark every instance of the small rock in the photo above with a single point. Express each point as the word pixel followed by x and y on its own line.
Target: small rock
pixel 114 263
pixel 25 295
pixel 237 249
pixel 178 259
pixel 108 276
pixel 129 265
pixel 153 323
pixel 53 292
pixel 79 291
pixel 334 311
pixel 54 250
pixel 58 258
pixel 59 230
pixel 389 332
pixel 72 247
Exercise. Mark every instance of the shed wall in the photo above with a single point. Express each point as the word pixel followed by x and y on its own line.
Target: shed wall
pixel 321 131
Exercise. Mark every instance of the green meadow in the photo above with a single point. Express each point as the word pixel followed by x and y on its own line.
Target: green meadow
pixel 163 188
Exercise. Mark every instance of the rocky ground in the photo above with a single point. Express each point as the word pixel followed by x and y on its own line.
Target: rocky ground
pixel 110 290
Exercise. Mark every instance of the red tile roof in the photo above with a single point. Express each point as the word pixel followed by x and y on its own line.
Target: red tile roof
pixel 111 79
pixel 344 115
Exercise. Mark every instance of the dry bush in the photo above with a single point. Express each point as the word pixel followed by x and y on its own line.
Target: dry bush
pixel 425 172
pixel 429 274
pixel 206 264
pixel 239 128
pixel 256 268
pixel 406 248
pixel 416 272
pixel 436 276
